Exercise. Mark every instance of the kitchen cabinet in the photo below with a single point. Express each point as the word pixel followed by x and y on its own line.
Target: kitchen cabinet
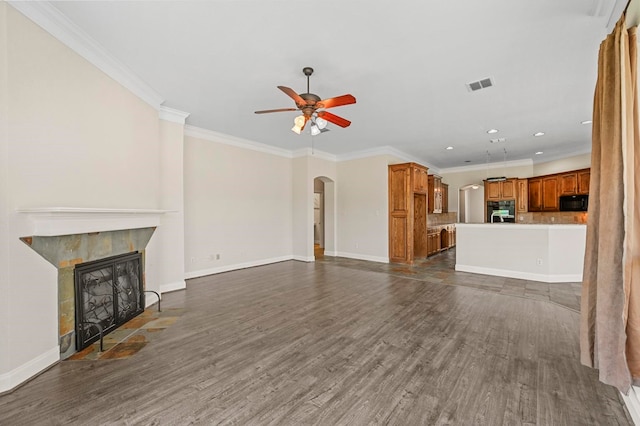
pixel 543 194
pixel 420 180
pixel 501 190
pixel 445 198
pixel 407 213
pixel 435 194
pixel 535 194
pixel 568 184
pixel 522 196
pixel 441 237
pixel 584 176
pixel 550 202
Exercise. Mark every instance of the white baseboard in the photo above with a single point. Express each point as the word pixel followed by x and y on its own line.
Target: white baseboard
pixel 304 258
pixel 178 285
pixel 362 257
pixel 632 401
pixel 330 253
pixel 568 278
pixel 18 375
pixel 234 267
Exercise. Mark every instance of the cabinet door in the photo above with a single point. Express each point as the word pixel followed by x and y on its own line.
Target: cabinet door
pixel 508 189
pixel 445 198
pixel 550 194
pixel 522 196
pixel 493 191
pixel 535 194
pixel 568 184
pixel 583 181
pixel 420 183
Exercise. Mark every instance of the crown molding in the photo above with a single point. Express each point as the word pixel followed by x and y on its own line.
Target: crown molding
pixel 49 18
pixel 173 115
pixel 489 166
pixel 384 150
pixel 210 135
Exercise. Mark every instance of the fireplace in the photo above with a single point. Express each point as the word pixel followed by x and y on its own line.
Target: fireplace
pixel 109 292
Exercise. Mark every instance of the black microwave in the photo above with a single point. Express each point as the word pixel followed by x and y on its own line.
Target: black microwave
pixel 574 203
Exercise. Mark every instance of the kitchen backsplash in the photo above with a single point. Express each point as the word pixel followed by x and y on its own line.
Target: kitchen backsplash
pixel 552 217
pixel 442 218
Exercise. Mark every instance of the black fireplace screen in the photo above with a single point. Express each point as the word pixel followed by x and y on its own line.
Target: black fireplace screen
pixel 109 292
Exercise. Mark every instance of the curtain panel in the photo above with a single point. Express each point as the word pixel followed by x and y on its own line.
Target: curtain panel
pixel 610 311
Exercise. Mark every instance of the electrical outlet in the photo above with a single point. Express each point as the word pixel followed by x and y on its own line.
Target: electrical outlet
pixel 539 262
pixel 193 260
pixel 357 245
pixel 218 256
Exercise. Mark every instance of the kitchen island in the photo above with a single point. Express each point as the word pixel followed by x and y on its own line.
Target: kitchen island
pixel 538 252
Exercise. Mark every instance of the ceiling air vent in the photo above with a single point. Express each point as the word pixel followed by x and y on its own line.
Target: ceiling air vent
pixel 498 140
pixel 480 84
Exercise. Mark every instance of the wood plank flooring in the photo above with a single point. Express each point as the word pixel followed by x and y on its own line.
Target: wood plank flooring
pixel 321 343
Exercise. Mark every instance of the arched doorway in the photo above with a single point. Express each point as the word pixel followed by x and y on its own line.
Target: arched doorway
pixel 323 217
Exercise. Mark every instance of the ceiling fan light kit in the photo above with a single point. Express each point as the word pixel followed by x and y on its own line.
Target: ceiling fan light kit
pixel 312 108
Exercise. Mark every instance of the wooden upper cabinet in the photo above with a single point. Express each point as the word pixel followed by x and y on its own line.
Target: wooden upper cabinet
pixel 420 179
pixel 502 190
pixel 550 200
pixel 584 176
pixel 435 194
pixel 445 198
pixel 568 184
pixel 522 196
pixel 535 194
pixel 508 188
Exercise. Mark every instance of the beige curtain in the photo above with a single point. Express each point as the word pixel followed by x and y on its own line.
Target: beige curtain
pixel 610 312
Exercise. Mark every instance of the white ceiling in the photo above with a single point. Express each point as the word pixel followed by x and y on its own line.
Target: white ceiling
pixel 407 62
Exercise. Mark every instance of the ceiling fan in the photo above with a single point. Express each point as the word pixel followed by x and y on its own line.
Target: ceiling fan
pixel 310 104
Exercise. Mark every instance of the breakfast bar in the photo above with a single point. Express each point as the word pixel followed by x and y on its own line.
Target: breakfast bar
pixel 539 252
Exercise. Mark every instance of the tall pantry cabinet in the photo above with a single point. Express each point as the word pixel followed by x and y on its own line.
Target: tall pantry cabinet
pixel 407 212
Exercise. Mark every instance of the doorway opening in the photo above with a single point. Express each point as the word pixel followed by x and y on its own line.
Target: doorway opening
pixel 323 217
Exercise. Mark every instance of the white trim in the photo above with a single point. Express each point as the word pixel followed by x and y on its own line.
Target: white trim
pixel 359 256
pixel 24 372
pixel 308 152
pixel 52 221
pixel 566 278
pixel 496 165
pixel 330 253
pixel 173 115
pixel 632 401
pixel 227 268
pixel 304 258
pixel 210 135
pixel 62 28
pixel 385 150
pixel 168 287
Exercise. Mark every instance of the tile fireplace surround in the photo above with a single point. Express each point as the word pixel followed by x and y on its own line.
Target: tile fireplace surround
pixel 66 237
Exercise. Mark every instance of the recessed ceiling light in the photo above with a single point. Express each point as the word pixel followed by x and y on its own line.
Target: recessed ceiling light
pixel 586 122
pixel 449 147
pixel 539 134
pixel 492 131
pixel 539 153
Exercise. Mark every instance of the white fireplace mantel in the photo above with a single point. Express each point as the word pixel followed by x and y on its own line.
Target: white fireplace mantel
pixel 52 221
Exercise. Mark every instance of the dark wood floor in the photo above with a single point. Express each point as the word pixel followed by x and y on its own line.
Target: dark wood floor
pixel 336 344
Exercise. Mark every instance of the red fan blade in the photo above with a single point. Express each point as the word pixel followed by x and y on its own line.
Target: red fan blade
pixel 264 111
pixel 293 95
pixel 332 118
pixel 337 101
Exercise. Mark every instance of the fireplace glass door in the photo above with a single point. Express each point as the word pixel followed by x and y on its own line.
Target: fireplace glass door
pixel 109 292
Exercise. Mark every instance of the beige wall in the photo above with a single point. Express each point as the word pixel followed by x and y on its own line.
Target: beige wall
pixel 363 208
pixel 566 164
pixel 73 138
pixel 237 204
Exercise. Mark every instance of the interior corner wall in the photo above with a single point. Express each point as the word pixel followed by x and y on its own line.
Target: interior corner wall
pixel 362 194
pixel 237 204
pixel 74 138
pixel 165 252
pixel 4 199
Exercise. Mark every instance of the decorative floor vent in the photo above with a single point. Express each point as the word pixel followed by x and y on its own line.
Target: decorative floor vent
pixel 109 292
